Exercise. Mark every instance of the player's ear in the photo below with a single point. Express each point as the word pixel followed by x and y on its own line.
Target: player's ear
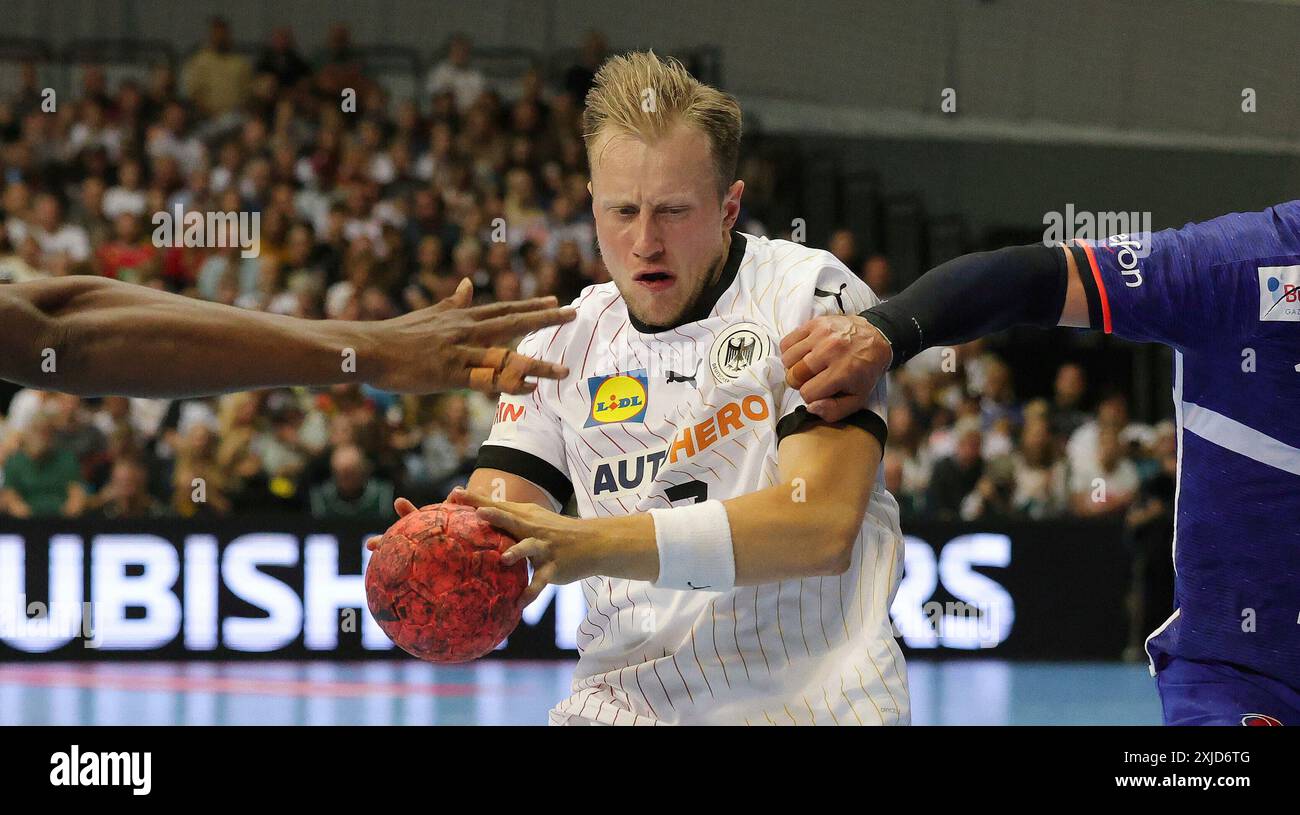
pixel 731 203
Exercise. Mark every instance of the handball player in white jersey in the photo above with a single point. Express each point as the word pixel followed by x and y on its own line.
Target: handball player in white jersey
pixel 738 554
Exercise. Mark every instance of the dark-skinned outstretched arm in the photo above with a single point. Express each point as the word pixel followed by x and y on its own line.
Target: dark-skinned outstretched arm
pixel 96 336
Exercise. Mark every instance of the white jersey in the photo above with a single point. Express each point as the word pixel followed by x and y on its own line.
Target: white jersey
pixel 692 413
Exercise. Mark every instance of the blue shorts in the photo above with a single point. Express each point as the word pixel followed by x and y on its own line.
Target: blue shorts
pixel 1202 693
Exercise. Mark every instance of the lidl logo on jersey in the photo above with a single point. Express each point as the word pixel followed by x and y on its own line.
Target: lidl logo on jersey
pixel 633 474
pixel 1279 294
pixel 620 397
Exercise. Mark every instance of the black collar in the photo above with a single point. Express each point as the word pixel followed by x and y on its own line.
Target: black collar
pixel 709 297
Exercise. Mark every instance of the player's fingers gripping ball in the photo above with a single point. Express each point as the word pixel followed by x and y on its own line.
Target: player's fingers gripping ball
pixel 437 587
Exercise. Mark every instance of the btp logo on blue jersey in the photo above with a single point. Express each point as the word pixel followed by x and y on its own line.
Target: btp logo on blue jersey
pixel 1279 294
pixel 620 397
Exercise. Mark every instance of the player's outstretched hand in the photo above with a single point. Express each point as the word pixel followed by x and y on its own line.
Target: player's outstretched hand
pixel 835 362
pixel 555 544
pixel 453 345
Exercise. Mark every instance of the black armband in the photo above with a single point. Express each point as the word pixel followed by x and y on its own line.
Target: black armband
pixel 974 295
pixel 529 467
pixel 799 419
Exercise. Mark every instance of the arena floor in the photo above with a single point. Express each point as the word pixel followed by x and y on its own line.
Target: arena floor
pixel 985 692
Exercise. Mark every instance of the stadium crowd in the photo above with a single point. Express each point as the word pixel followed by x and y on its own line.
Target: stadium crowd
pixel 370 211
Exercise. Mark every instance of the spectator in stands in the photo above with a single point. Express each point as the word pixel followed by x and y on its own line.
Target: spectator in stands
pixel 1067 400
pixel 29 96
pixel 352 492
pixel 482 142
pixel 73 428
pixel 52 234
pixel 160 90
pixel 113 414
pixel 42 156
pixel 130 256
pixel 125 495
pixel 956 476
pixel 94 87
pixel 533 91
pixel 128 112
pixel 994 493
pixel 1107 484
pixel 1082 448
pixel 22 265
pixel 579 78
pixel 450 444
pixel 238 426
pixel 92 132
pixel 198 481
pixel 230 161
pixel 1149 531
pixel 906 442
pixel 525 218
pixel 216 79
pixel 507 286
pixel 280 58
pixel 16 204
pixel 566 223
pixel 341 66
pixel 429 277
pixel 435 163
pixel 40 479
pixel 97 467
pixel 844 246
pixel 893 468
pixel 998 395
pixel 456 74
pixel 88 213
pixel 283 455
pixel 568 276
pixel 878 274
pixel 127 196
pixel 467 262
pixel 429 218
pixel 1038 471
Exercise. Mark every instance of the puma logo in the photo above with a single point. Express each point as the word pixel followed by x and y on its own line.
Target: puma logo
pixel 697 588
pixel 839 300
pixel 673 376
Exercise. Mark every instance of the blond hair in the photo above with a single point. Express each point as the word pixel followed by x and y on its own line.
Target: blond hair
pixel 642 95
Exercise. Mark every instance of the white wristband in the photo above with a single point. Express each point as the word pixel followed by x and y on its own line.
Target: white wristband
pixel 695 547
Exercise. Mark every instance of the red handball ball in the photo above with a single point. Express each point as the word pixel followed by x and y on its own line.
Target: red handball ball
pixel 437 587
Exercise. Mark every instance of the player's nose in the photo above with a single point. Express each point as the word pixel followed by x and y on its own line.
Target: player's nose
pixel 647 244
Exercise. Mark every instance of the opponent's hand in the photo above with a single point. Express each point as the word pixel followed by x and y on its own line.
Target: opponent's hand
pixel 835 362
pixel 452 345
pixel 557 545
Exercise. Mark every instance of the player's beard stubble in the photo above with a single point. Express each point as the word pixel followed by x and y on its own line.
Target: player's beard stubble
pixel 667 310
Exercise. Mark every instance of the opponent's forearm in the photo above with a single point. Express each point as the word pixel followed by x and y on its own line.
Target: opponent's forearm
pixel 107 337
pixel 974 295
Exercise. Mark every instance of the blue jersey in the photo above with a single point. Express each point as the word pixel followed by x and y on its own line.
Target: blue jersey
pixel 1225 294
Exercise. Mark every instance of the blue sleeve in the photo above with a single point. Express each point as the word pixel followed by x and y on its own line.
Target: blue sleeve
pixel 1194 286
